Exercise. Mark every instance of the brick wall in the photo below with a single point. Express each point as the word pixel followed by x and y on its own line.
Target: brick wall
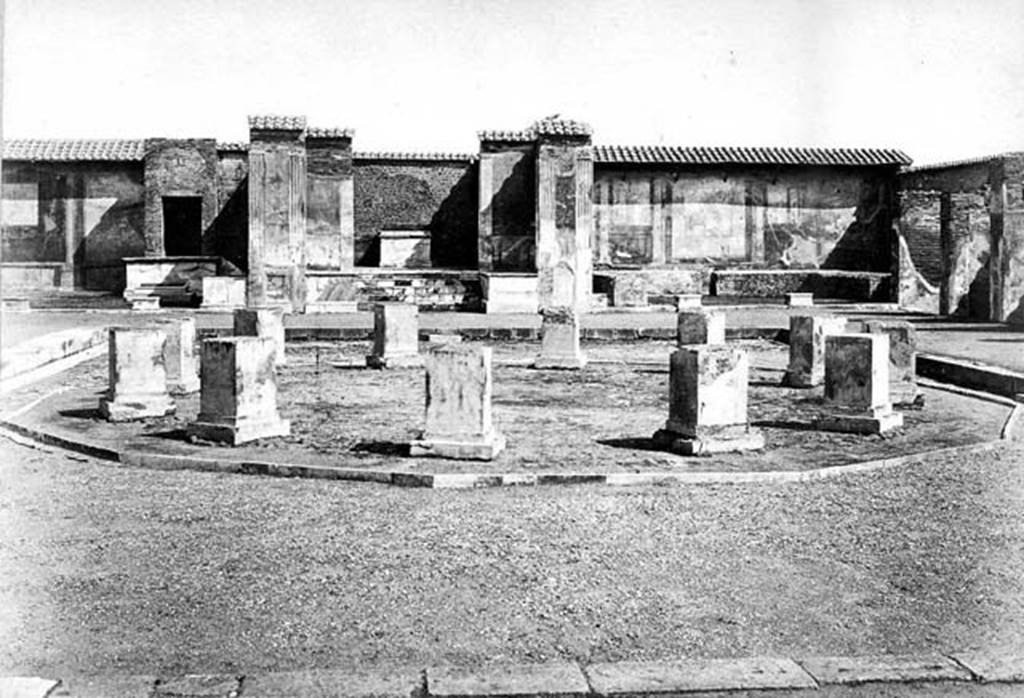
pixel 440 196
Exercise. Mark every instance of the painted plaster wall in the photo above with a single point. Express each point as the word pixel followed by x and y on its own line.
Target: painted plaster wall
pixel 230 228
pixel 98 207
pixel 945 229
pixel 822 217
pixel 329 203
pixel 179 167
pixel 507 225
pixel 440 196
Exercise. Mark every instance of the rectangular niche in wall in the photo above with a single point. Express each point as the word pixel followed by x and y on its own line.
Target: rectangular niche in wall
pixel 183 225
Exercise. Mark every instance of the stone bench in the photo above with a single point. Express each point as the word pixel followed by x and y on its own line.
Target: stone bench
pixel 821 283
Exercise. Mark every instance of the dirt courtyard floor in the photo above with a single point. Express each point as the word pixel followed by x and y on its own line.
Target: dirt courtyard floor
pixel 106 569
pixel 592 421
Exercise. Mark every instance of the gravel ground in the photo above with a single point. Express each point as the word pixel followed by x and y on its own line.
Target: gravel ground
pixel 118 570
pixel 597 420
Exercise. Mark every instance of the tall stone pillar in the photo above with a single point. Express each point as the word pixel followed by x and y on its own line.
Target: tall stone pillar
pixel 277 212
pixel 1006 181
pixel 565 220
pixel 330 199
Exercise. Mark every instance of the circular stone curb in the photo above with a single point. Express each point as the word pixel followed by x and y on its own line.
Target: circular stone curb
pixel 399 478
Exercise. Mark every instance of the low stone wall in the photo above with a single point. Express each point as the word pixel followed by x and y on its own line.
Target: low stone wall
pixel 635 287
pixel 823 283
pixel 21 277
pixel 435 289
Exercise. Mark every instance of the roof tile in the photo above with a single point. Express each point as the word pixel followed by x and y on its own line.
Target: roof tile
pixel 378 155
pixel 673 155
pixel 277 123
pixel 114 149
pixel 320 132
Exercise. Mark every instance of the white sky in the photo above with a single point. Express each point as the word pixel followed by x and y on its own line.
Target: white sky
pixel 941 79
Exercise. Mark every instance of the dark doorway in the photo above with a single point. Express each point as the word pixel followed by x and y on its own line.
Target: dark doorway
pixel 183 226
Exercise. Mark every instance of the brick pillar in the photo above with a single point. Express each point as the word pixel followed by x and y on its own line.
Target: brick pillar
pixel 277 212
pixel 506 208
pixel 330 205
pixel 565 221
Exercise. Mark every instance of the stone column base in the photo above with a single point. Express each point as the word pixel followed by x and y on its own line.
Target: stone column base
pixel 186 387
pixel 486 448
pixel 133 407
pixel 860 423
pixel 568 362
pixel 394 361
pixel 239 432
pixel 725 442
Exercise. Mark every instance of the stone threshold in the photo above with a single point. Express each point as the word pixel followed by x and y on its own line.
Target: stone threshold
pixel 798 676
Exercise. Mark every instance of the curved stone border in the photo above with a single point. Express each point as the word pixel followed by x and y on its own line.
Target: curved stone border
pixel 638 679
pixel 400 478
pixel 161 461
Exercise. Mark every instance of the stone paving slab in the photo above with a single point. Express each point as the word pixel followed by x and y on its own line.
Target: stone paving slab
pixel 199 686
pixel 872 668
pixel 26 687
pixel 334 684
pixel 561 680
pixel 987 666
pixel 693 675
pixel 106 687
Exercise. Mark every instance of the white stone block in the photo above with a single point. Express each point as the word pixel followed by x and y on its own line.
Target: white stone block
pixel 138 379
pixel 509 293
pixel 223 292
pixel 395 336
pixel 857 385
pixel 459 422
pixel 238 398
pixel 800 300
pixel 560 340
pixel 180 358
pixel 708 402
pixel 807 348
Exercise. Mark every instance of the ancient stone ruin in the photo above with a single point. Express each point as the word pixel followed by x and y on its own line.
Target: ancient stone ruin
pixel 238 398
pixel 700 326
pixel 560 340
pixel 807 348
pixel 395 336
pixel 180 358
pixel 708 402
pixel 459 386
pixel 857 385
pixel 262 322
pixel 138 380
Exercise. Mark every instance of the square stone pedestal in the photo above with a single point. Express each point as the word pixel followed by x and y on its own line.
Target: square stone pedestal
pixel 903 388
pixel 708 402
pixel 144 303
pixel 560 340
pixel 138 379
pixel 238 399
pixel 509 293
pixel 180 358
pixel 459 386
pixel 262 322
pixel 807 348
pixel 800 300
pixel 857 385
pixel 395 336
pixel 700 326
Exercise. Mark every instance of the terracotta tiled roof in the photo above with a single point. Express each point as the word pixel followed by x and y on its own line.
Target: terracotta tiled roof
pixel 556 126
pixel 277 123
pixel 507 136
pixel 961 163
pixel 658 154
pixel 319 132
pixel 74 149
pixel 377 155
pixel 233 147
